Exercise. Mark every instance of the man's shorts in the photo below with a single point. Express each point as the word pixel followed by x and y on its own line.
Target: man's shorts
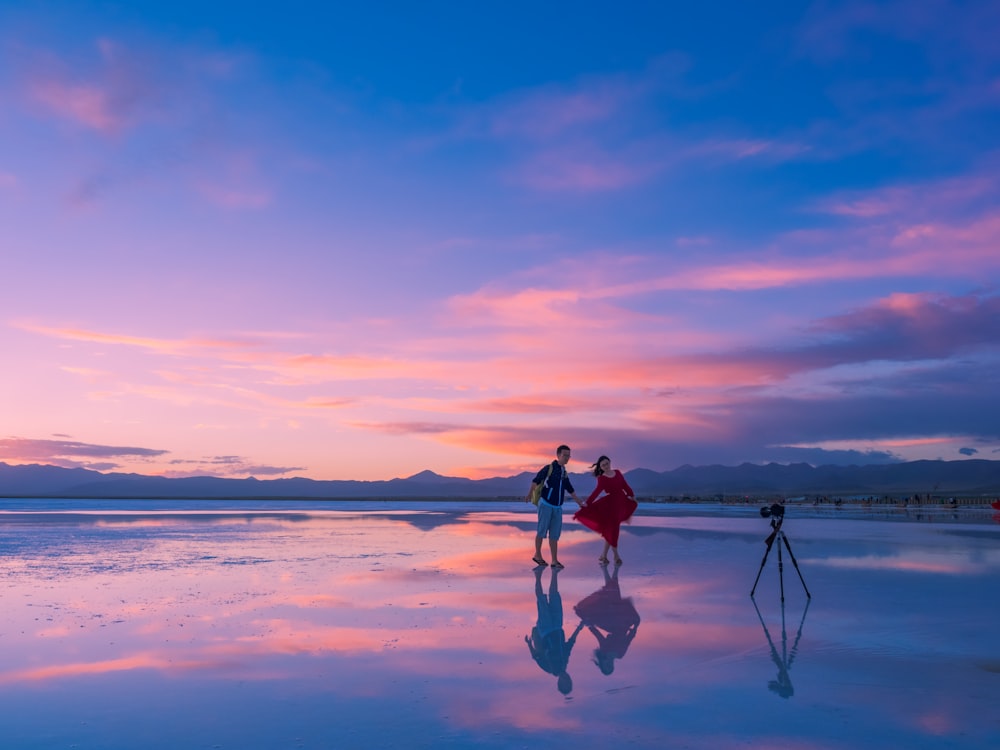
pixel 549 520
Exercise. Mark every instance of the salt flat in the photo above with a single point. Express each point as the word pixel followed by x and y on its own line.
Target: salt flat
pixel 320 625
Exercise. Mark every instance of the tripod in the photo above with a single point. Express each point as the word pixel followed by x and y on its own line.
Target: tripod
pixel 778 534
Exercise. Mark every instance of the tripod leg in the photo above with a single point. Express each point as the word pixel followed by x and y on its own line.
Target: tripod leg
pixel 781 572
pixel 802 622
pixel 784 636
pixel 774 651
pixel 795 563
pixel 769 541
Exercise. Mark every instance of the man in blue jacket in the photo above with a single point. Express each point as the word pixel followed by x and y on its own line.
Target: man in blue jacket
pixel 555 483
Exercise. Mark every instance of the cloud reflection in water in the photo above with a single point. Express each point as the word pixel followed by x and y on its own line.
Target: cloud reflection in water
pixel 373 627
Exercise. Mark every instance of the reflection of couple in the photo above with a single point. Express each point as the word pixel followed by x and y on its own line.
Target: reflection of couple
pixel 613 621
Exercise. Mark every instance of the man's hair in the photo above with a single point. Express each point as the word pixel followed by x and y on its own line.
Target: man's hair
pixel 561 448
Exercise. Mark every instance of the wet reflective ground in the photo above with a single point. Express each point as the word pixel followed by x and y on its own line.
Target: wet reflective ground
pixel 405 625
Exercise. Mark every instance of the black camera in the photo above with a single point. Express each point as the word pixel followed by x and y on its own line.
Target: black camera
pixel 776 509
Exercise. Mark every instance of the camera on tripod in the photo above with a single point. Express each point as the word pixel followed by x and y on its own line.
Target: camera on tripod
pixel 777 510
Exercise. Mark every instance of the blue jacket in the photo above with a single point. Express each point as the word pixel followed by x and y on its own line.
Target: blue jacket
pixel 556 485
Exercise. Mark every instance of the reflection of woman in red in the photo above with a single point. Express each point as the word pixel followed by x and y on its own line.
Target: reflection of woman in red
pixel 606 514
pixel 613 621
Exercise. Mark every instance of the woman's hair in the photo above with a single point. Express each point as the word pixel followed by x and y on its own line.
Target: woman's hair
pixel 596 466
pixel 604 661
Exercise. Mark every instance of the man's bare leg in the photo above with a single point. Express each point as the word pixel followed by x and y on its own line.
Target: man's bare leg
pixel 554 549
pixel 538 551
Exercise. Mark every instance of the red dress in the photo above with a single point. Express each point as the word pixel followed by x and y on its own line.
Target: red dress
pixel 606 515
pixel 606 610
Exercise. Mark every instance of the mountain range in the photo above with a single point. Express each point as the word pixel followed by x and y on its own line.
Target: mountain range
pixel 968 477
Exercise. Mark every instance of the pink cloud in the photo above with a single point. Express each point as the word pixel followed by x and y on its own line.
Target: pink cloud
pixel 591 291
pixel 523 307
pixel 235 197
pixel 588 167
pixel 700 241
pixel 159 345
pixel 931 198
pixel 978 239
pixel 108 100
pixel 530 445
pixel 582 169
pixel 238 346
pixel 255 353
pixel 867 207
pixel 596 113
pixel 548 404
pixel 745 148
pixel 606 152
pixel 972 247
pixel 549 112
pixel 86 104
pixel 546 113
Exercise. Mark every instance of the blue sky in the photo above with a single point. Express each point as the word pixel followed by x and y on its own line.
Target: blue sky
pixel 347 242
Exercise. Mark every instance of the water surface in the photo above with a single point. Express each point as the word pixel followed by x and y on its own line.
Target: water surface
pixel 209 625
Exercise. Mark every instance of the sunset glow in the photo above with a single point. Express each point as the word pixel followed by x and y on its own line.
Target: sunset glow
pixel 238 244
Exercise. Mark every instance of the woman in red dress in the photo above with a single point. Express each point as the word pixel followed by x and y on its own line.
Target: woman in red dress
pixel 606 514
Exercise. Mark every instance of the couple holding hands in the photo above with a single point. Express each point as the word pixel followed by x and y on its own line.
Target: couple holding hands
pixel 603 513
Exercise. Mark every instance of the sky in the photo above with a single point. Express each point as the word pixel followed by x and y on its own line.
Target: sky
pixel 359 241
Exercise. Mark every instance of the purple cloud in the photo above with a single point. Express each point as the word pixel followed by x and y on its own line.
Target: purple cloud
pixel 70 453
pixel 902 328
pixel 228 466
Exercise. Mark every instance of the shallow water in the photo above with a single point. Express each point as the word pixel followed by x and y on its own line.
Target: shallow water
pixel 408 625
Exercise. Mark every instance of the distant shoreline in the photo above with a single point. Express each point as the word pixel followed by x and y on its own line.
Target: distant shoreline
pixel 973 481
pixel 824 501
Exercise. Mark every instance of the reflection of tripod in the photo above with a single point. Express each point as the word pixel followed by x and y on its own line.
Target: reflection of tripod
pixel 783 685
pixel 777 533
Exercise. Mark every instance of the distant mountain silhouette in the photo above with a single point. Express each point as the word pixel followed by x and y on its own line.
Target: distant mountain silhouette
pixel 970 477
